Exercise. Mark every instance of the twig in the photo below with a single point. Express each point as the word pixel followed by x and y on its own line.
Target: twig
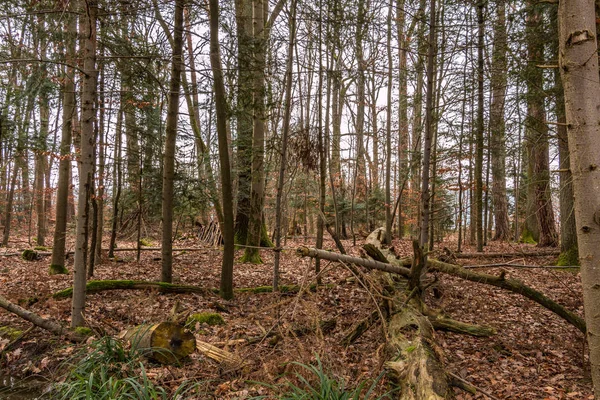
pixel 470 384
pixel 520 266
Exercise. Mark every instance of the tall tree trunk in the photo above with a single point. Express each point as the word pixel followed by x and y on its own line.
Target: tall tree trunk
pixel 243 16
pixel 117 177
pixel 497 125
pixel 41 146
pixel 251 254
pixel 537 132
pixel 425 194
pixel 284 144
pixel 226 289
pixel 169 155
pixel 568 230
pixel 579 73
pixel 478 201
pixel 361 172
pixel 388 134
pixel 86 158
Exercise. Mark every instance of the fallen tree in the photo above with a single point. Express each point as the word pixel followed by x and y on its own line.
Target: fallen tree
pixel 44 323
pixel 400 267
pixel 410 323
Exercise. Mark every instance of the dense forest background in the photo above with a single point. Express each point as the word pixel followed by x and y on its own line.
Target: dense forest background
pixel 250 122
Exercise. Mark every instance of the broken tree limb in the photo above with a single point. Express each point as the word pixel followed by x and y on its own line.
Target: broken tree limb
pixel 47 324
pixel 541 253
pixel 521 266
pixel 371 264
pixel 512 285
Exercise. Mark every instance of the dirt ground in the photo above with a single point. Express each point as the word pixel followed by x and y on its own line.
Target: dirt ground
pixel 535 355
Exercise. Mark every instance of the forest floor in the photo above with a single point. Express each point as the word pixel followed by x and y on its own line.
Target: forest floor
pixel 534 355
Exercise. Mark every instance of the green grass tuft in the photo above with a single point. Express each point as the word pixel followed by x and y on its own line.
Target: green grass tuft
pixel 112 371
pixel 314 383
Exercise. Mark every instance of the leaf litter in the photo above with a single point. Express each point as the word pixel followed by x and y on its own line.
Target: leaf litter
pixel 535 355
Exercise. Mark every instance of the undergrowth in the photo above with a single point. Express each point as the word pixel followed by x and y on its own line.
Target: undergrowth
pixel 314 383
pixel 113 371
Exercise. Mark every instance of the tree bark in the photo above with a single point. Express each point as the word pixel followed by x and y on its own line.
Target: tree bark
pixel 497 125
pixel 579 71
pixel 170 148
pixel 86 158
pixel 539 199
pixel 257 192
pixel 226 290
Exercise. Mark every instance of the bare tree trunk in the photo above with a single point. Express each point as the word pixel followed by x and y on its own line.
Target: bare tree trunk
pixel 497 125
pixel 388 134
pixel 537 132
pixel 251 254
pixel 226 289
pixel 284 144
pixel 169 155
pixel 478 201
pixel 86 158
pixel 117 178
pixel 243 16
pixel 425 193
pixel 579 71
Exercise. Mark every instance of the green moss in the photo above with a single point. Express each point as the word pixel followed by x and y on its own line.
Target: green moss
pixel 527 237
pixel 29 301
pixel 568 258
pixel 56 269
pixel 95 286
pixel 251 256
pixel 83 331
pixel 145 242
pixel 208 318
pixel 10 333
pixel 41 248
pixel 29 255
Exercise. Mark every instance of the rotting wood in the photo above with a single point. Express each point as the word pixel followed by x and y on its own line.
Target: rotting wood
pixel 415 359
pixel 229 360
pixel 47 324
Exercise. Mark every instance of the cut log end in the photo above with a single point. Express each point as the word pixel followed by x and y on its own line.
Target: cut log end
pixel 166 342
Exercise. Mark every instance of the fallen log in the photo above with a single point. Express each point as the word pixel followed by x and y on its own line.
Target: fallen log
pixel 371 264
pixel 541 253
pixel 101 286
pixel 47 324
pixel 415 359
pixel 165 342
